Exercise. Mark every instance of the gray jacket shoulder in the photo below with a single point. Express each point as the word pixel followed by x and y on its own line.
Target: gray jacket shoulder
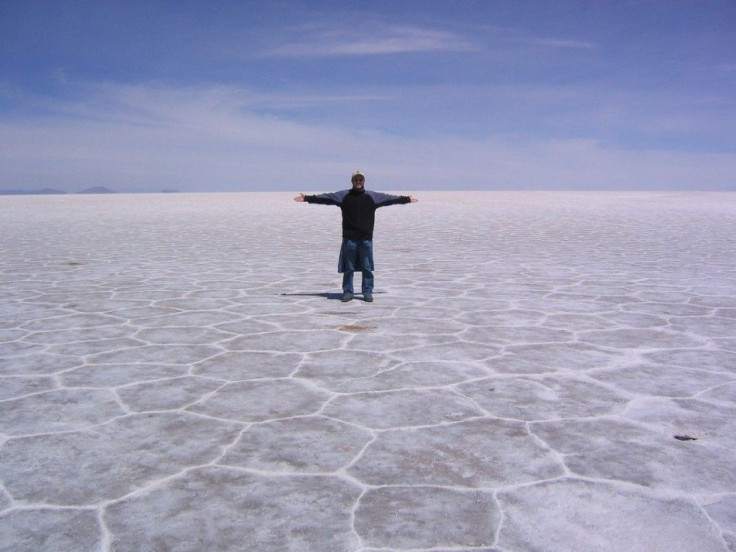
pixel 380 198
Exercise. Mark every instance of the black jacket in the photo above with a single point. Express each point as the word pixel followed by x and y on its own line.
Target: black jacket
pixel 358 209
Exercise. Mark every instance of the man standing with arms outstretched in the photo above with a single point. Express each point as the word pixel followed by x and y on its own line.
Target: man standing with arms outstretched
pixel 358 208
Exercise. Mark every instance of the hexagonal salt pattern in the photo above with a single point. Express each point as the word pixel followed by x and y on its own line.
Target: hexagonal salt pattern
pixel 539 371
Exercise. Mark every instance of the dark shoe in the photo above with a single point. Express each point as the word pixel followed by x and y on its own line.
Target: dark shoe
pixel 368 297
pixel 346 297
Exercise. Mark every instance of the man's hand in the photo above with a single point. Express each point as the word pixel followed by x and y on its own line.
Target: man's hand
pixel 300 198
pixel 413 199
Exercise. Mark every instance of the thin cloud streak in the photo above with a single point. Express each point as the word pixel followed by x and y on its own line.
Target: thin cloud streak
pixel 556 43
pixel 378 41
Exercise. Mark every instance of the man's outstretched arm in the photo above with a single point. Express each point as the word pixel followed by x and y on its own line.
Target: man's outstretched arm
pixel 383 200
pixel 334 198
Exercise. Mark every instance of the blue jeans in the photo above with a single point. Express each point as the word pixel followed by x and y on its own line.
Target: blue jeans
pixel 366 284
pixel 356 255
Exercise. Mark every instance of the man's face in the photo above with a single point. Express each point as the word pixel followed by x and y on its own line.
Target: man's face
pixel 358 183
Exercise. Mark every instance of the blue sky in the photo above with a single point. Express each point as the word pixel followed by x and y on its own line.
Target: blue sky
pixel 420 95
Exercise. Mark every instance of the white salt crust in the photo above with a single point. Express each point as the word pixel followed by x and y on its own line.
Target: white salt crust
pixel 539 371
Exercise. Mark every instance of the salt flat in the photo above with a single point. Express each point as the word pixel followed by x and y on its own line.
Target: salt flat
pixel 539 371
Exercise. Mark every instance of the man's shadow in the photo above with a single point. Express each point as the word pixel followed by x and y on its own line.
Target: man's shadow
pixel 332 296
pixel 327 295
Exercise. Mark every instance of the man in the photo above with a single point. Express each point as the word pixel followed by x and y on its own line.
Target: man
pixel 358 208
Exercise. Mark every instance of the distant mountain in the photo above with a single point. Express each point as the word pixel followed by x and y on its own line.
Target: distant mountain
pixel 45 191
pixel 97 190
pixel 92 190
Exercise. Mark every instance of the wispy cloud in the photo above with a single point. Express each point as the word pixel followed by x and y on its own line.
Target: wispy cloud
pixel 561 43
pixel 375 41
pixel 213 138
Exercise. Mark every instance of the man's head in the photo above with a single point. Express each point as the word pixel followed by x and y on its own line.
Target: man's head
pixel 358 180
